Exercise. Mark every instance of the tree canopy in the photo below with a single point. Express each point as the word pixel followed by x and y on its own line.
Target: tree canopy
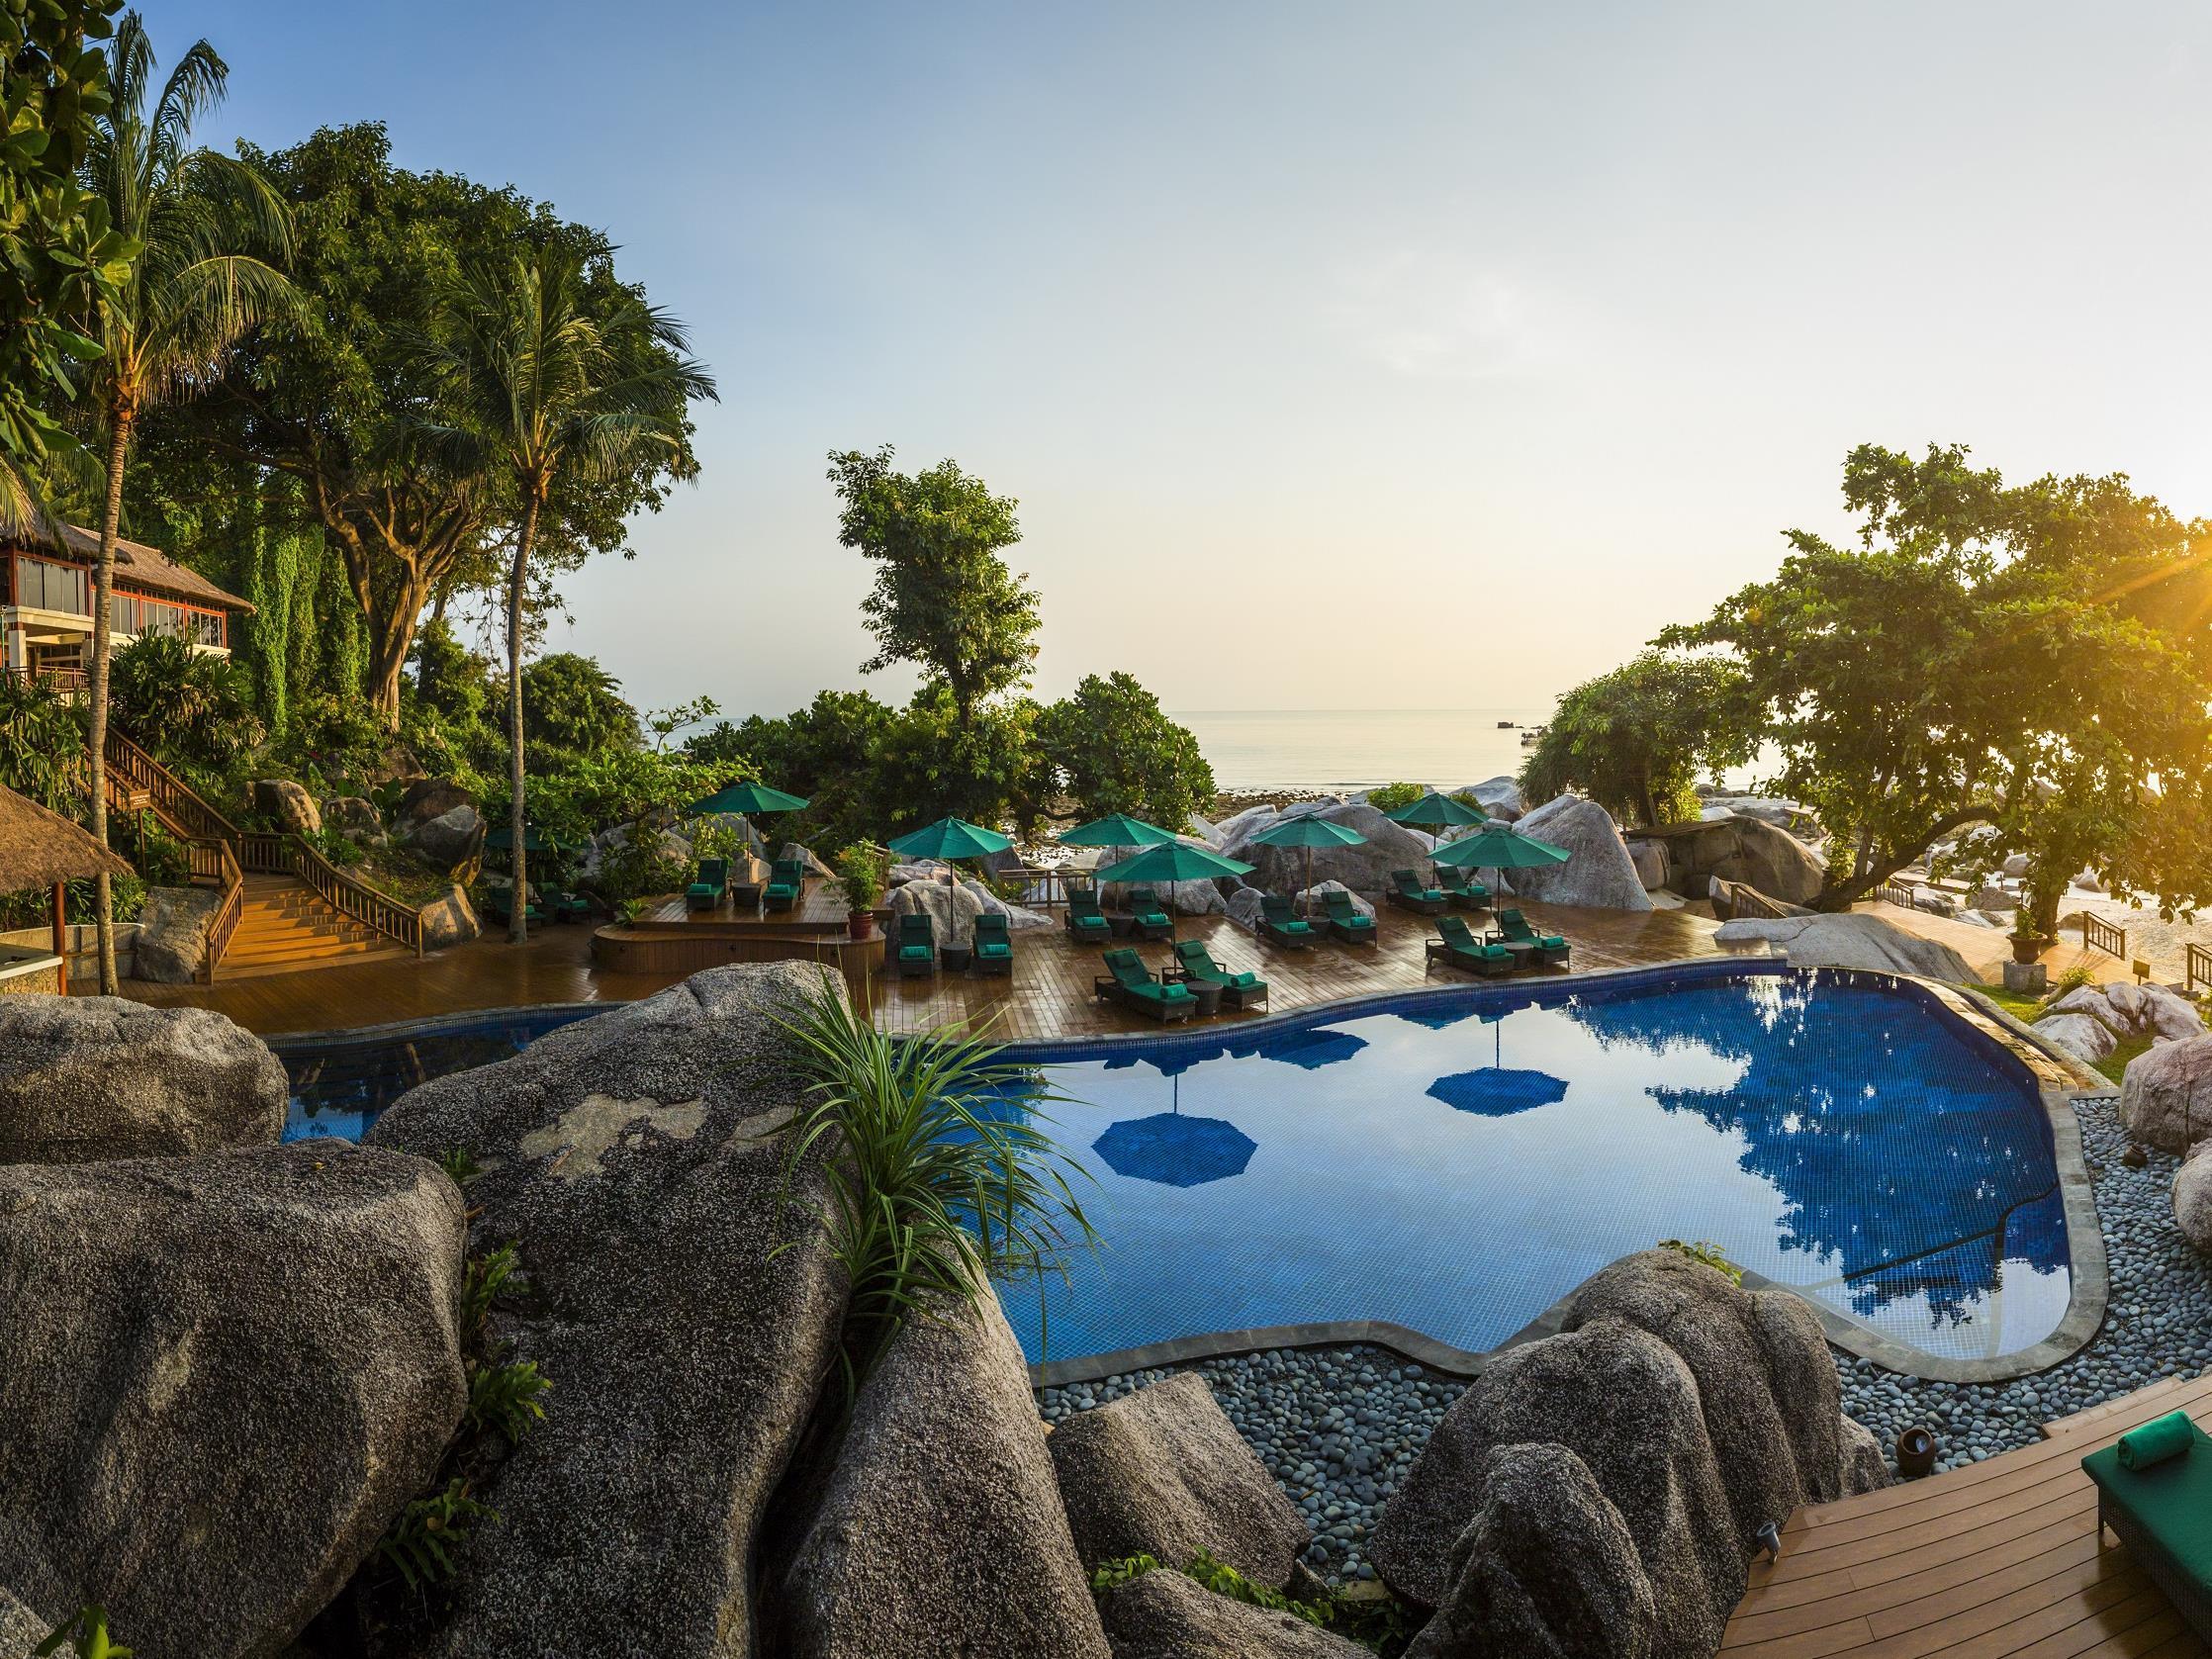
pixel 1113 750
pixel 571 702
pixel 1634 740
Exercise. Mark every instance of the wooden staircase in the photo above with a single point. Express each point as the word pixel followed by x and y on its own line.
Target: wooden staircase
pixel 284 925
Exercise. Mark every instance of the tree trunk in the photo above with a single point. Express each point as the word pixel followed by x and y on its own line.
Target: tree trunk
pixel 518 900
pixel 1875 867
pixel 121 415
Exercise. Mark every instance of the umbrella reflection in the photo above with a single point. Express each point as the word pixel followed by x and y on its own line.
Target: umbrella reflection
pixel 1175 1150
pixel 1497 1092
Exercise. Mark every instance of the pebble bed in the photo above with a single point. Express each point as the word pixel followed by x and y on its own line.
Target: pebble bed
pixel 1339 1426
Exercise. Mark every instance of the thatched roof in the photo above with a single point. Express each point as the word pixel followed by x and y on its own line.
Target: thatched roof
pixel 39 848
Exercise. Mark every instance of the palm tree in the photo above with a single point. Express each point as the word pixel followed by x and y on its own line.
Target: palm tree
pixel 191 295
pixel 561 386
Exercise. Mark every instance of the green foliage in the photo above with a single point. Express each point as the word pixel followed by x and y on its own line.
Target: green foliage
pixel 506 1398
pixel 1634 740
pixel 1394 797
pixel 934 762
pixel 1382 1624
pixel 619 787
pixel 1224 1580
pixel 1111 1575
pixel 183 704
pixel 861 870
pixel 2067 984
pixel 943 599
pixel 1709 1254
pixel 1112 749
pixel 931 1186
pixel 487 1276
pixel 426 1538
pixel 42 746
pixel 460 1165
pixel 2031 657
pixel 85 1634
pixel 570 704
pixel 825 752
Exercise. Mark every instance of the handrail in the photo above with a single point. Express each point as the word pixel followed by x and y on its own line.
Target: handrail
pixel 289 855
pixel 2099 934
pixel 224 921
pixel 173 801
pixel 1899 893
pixel 2199 966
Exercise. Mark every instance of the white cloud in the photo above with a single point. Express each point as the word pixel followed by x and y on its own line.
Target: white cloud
pixel 1431 316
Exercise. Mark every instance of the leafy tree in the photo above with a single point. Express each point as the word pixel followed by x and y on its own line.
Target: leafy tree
pixel 943 598
pixel 60 250
pixel 1114 751
pixel 1632 740
pixel 42 745
pixel 186 705
pixel 549 391
pixel 1985 650
pixel 935 761
pixel 167 325
pixel 825 752
pixel 571 702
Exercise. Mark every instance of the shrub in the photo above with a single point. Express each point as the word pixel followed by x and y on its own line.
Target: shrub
pixel 181 703
pixel 487 1276
pixel 85 1632
pixel 425 1537
pixel 1394 798
pixel 1707 1253
pixel 506 1398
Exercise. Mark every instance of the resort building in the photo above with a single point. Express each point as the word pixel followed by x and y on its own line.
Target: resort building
pixel 45 603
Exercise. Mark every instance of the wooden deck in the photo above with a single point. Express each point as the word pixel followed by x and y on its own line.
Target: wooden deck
pixel 2000 1560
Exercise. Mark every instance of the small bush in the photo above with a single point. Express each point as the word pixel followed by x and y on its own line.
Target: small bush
pixel 2072 980
pixel 425 1537
pixel 488 1276
pixel 85 1632
pixel 1709 1254
pixel 460 1164
pixel 508 1399
pixel 1392 798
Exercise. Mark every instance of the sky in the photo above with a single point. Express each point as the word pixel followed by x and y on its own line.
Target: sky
pixel 1378 356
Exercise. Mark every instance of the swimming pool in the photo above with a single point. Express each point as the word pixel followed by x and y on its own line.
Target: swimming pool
pixel 1454 1161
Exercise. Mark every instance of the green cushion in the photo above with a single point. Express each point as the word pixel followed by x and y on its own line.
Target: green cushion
pixel 913 953
pixel 990 948
pixel 2170 1501
pixel 1245 982
pixel 1294 927
pixel 1175 993
pixel 2162 1438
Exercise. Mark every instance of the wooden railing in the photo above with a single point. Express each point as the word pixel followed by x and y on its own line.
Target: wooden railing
pixel 289 855
pixel 1040 889
pixel 68 681
pixel 2199 970
pixel 224 922
pixel 2098 933
pixel 1894 891
pixel 181 811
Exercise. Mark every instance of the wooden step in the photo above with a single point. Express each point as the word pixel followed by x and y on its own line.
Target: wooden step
pixel 306 950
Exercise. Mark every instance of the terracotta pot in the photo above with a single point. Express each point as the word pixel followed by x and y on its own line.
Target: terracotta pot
pixel 2025 951
pixel 1916 1453
pixel 860 924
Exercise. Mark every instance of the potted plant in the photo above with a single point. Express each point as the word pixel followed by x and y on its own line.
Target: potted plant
pixel 2027 943
pixel 860 877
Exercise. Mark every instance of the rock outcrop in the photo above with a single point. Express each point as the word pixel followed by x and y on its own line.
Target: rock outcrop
pixel 288 803
pixel 451 921
pixel 21 1629
pixel 2086 1039
pixel 85 1078
pixel 1499 797
pixel 354 818
pixel 220 1379
pixel 635 1161
pixel 952 908
pixel 2131 1011
pixel 2193 1200
pixel 1601 875
pixel 1738 848
pixel 2166 1095
pixel 432 797
pixel 172 946
pixel 1163 1472
pixel 1364 869
pixel 1851 940
pixel 939 1529
pixel 451 842
pixel 1166 1615
pixel 1545 1569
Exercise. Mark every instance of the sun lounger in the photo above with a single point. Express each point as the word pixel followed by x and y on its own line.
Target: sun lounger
pixel 1459 892
pixel 1412 895
pixel 1145 915
pixel 916 945
pixel 1278 924
pixel 2155 1491
pixel 1549 946
pixel 1346 923
pixel 786 880
pixel 994 947
pixel 1195 965
pixel 564 906
pixel 1085 920
pixel 1129 982
pixel 1457 945
pixel 705 893
pixel 499 904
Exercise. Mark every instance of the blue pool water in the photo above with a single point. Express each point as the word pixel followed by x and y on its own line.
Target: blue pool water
pixel 1458 1163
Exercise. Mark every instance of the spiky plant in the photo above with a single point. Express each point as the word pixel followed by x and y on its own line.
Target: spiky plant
pixel 936 1172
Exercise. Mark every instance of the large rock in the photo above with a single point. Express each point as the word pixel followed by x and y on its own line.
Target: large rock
pixel 1851 940
pixel 1737 849
pixel 220 1380
pixel 685 1314
pixel 2193 1200
pixel 1625 1402
pixel 2088 1039
pixel 939 1529
pixel 451 921
pixel 2130 1010
pixel 1650 860
pixel 2166 1095
pixel 1197 898
pixel 1163 1472
pixel 1314 901
pixel 1499 797
pixel 1243 906
pixel 1018 917
pixel 172 946
pixel 287 804
pixel 21 1629
pixel 1600 875
pixel 1166 1615
pixel 1545 1569
pixel 353 817
pixel 432 797
pixel 1364 869
pixel 1797 818
pixel 951 908
pixel 451 842
pixel 85 1078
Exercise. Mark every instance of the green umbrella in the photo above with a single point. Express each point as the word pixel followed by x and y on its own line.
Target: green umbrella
pixel 747 798
pixel 1436 812
pixel 1115 829
pixel 949 839
pixel 1307 831
pixel 1173 862
pixel 1501 848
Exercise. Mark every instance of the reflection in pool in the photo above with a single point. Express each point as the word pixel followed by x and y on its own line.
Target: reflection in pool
pixel 1455 1167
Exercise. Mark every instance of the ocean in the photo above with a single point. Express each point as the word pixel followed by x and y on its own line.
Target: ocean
pixel 1358 748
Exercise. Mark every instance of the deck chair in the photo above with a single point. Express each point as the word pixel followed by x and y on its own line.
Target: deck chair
pixel 1129 982
pixel 916 945
pixel 1278 924
pixel 1460 891
pixel 1346 922
pixel 786 880
pixel 2153 1490
pixel 1549 946
pixel 499 904
pixel 1412 895
pixel 1195 965
pixel 1145 915
pixel 705 893
pixel 994 947
pixel 564 906
pixel 1084 918
pixel 1457 945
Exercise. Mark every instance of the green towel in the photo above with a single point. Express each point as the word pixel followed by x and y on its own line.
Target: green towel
pixel 1244 982
pixel 2156 1442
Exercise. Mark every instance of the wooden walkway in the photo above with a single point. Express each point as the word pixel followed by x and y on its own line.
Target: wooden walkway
pixel 2000 1560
